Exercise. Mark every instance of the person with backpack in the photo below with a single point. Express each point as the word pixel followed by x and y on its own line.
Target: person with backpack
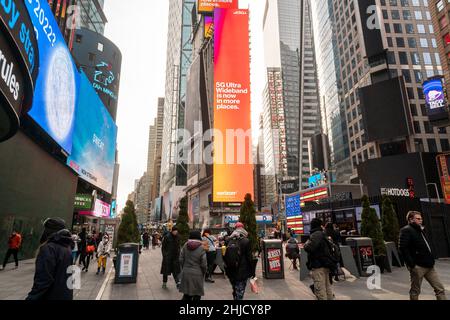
pixel 210 253
pixel 323 258
pixel 238 261
pixel 52 263
pixel 293 252
pixel 194 266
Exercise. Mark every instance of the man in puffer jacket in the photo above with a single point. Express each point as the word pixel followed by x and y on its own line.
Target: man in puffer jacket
pixel 52 263
pixel 419 258
pixel 193 264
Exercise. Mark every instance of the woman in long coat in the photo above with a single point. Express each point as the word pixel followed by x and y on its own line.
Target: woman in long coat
pixel 171 257
pixel 194 265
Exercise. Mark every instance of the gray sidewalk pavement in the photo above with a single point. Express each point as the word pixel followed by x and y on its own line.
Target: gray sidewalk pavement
pixel 395 286
pixel 15 284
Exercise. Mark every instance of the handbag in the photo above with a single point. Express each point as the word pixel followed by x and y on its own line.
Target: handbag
pixel 254 285
pixel 90 249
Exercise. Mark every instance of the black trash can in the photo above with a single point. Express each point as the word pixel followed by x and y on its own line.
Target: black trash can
pixel 127 262
pixel 273 259
pixel 363 253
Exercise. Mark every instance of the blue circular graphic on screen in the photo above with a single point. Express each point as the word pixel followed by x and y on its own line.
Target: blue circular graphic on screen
pixel 60 93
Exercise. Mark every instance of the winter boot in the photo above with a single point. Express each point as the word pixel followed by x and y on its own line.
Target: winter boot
pixel 98 271
pixel 103 270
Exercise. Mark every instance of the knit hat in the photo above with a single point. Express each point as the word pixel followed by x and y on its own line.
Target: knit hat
pixel 316 223
pixel 239 225
pixel 195 235
pixel 52 226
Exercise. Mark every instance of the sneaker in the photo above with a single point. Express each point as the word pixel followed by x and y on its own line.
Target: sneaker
pixel 164 286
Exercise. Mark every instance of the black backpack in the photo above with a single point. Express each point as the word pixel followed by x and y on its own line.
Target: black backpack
pixel 334 252
pixel 232 256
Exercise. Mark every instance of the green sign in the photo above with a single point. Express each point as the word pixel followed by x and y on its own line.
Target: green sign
pixel 83 202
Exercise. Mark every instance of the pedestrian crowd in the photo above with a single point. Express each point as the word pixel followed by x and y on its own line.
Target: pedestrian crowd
pixel 194 263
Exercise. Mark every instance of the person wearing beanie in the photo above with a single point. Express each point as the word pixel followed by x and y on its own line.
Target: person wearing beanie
pixel 52 263
pixel 194 264
pixel 171 257
pixel 319 261
pixel 238 261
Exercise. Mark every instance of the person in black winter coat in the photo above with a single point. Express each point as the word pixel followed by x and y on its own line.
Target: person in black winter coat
pixel 292 251
pixel 416 250
pixel 171 257
pixel 319 261
pixel 52 263
pixel 239 276
pixel 82 247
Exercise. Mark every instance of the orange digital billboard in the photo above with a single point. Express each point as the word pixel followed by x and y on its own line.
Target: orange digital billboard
pixel 233 165
pixel 208 6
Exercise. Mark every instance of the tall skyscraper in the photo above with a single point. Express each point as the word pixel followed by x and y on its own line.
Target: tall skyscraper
pixel 334 123
pixel 179 51
pixel 408 35
pixel 154 152
pixel 441 21
pixel 291 98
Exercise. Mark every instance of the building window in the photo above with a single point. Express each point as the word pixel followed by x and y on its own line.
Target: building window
pixel 100 47
pixel 421 28
pixel 432 145
pixel 440 5
pixel 445 145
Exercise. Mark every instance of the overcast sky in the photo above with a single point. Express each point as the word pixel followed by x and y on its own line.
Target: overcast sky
pixel 139 29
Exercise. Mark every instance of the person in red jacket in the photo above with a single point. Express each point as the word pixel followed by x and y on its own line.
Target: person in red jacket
pixel 14 243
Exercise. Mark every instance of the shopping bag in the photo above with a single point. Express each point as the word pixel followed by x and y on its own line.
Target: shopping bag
pixel 254 285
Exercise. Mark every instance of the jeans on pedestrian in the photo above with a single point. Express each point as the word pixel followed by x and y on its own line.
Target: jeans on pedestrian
pixel 239 289
pixel 322 284
pixel 210 258
pixel 417 274
pixel 74 257
pixel 10 252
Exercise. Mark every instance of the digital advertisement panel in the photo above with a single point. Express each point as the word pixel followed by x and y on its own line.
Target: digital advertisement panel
pixel 436 102
pixel 294 214
pixel 101 210
pixel 209 27
pixel 233 168
pixel 94 139
pixel 208 6
pixel 56 86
